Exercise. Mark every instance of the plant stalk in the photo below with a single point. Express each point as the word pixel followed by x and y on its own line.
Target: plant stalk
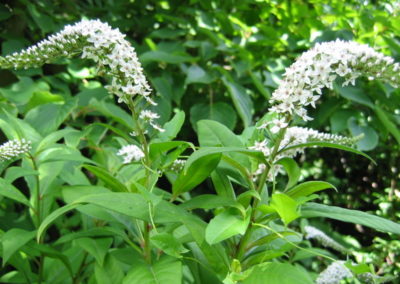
pixel 38 211
pixel 242 245
pixel 147 163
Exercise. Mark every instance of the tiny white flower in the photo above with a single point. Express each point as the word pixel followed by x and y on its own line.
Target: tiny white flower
pixel 261 146
pixel 278 125
pixel 130 153
pixel 148 115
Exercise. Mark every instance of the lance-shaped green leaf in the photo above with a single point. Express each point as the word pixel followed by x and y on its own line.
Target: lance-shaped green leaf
pixel 10 191
pixel 226 225
pixel 277 273
pixel 210 201
pixel 292 169
pixel 130 204
pixel 214 134
pixel 98 247
pixel 386 121
pixel 328 145
pixel 241 100
pixel 195 173
pixel 208 151
pixel 53 138
pixel 285 206
pixel 166 270
pixel 168 244
pixel 13 240
pixel 310 210
pixel 172 127
pixel 308 187
pixel 113 183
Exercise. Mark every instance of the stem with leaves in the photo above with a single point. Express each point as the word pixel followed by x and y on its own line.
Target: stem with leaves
pixel 38 211
pixel 147 166
pixel 242 245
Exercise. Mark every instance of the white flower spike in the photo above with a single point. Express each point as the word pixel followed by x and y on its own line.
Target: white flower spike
pixel 113 54
pixel 320 66
pixel 14 148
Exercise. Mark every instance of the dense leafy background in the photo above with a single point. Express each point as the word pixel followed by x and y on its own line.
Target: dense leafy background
pixel 218 60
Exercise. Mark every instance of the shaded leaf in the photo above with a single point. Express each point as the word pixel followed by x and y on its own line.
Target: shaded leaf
pixel 13 240
pixel 311 210
pixel 225 225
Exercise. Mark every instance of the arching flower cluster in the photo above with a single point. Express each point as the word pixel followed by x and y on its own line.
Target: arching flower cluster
pixel 300 135
pixel 14 148
pixel 296 136
pixel 322 238
pixel 334 273
pixel 319 67
pixel 114 55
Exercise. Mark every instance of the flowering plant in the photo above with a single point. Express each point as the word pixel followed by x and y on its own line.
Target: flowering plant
pixel 137 220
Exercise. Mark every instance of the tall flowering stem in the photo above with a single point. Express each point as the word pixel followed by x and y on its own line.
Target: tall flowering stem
pixel 116 59
pixel 242 245
pixel 142 137
pixel 302 86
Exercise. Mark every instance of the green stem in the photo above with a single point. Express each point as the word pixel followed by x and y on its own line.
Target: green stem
pixel 147 166
pixel 41 265
pixel 76 279
pixel 38 207
pixel 242 245
pixel 38 211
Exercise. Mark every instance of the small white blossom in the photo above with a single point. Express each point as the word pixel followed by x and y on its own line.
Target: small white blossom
pixel 131 153
pixel 334 273
pixel 14 148
pixel 278 125
pixel 261 146
pixel 149 117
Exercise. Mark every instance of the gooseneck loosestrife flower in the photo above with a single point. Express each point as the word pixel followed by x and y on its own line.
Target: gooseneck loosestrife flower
pixel 114 55
pixel 302 86
pixel 14 148
pixel 320 66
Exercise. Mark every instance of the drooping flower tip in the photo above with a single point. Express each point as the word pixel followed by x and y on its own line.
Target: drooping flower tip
pixel 131 153
pixel 95 40
pixel 320 66
pixel 14 148
pixel 300 135
pixel 107 47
